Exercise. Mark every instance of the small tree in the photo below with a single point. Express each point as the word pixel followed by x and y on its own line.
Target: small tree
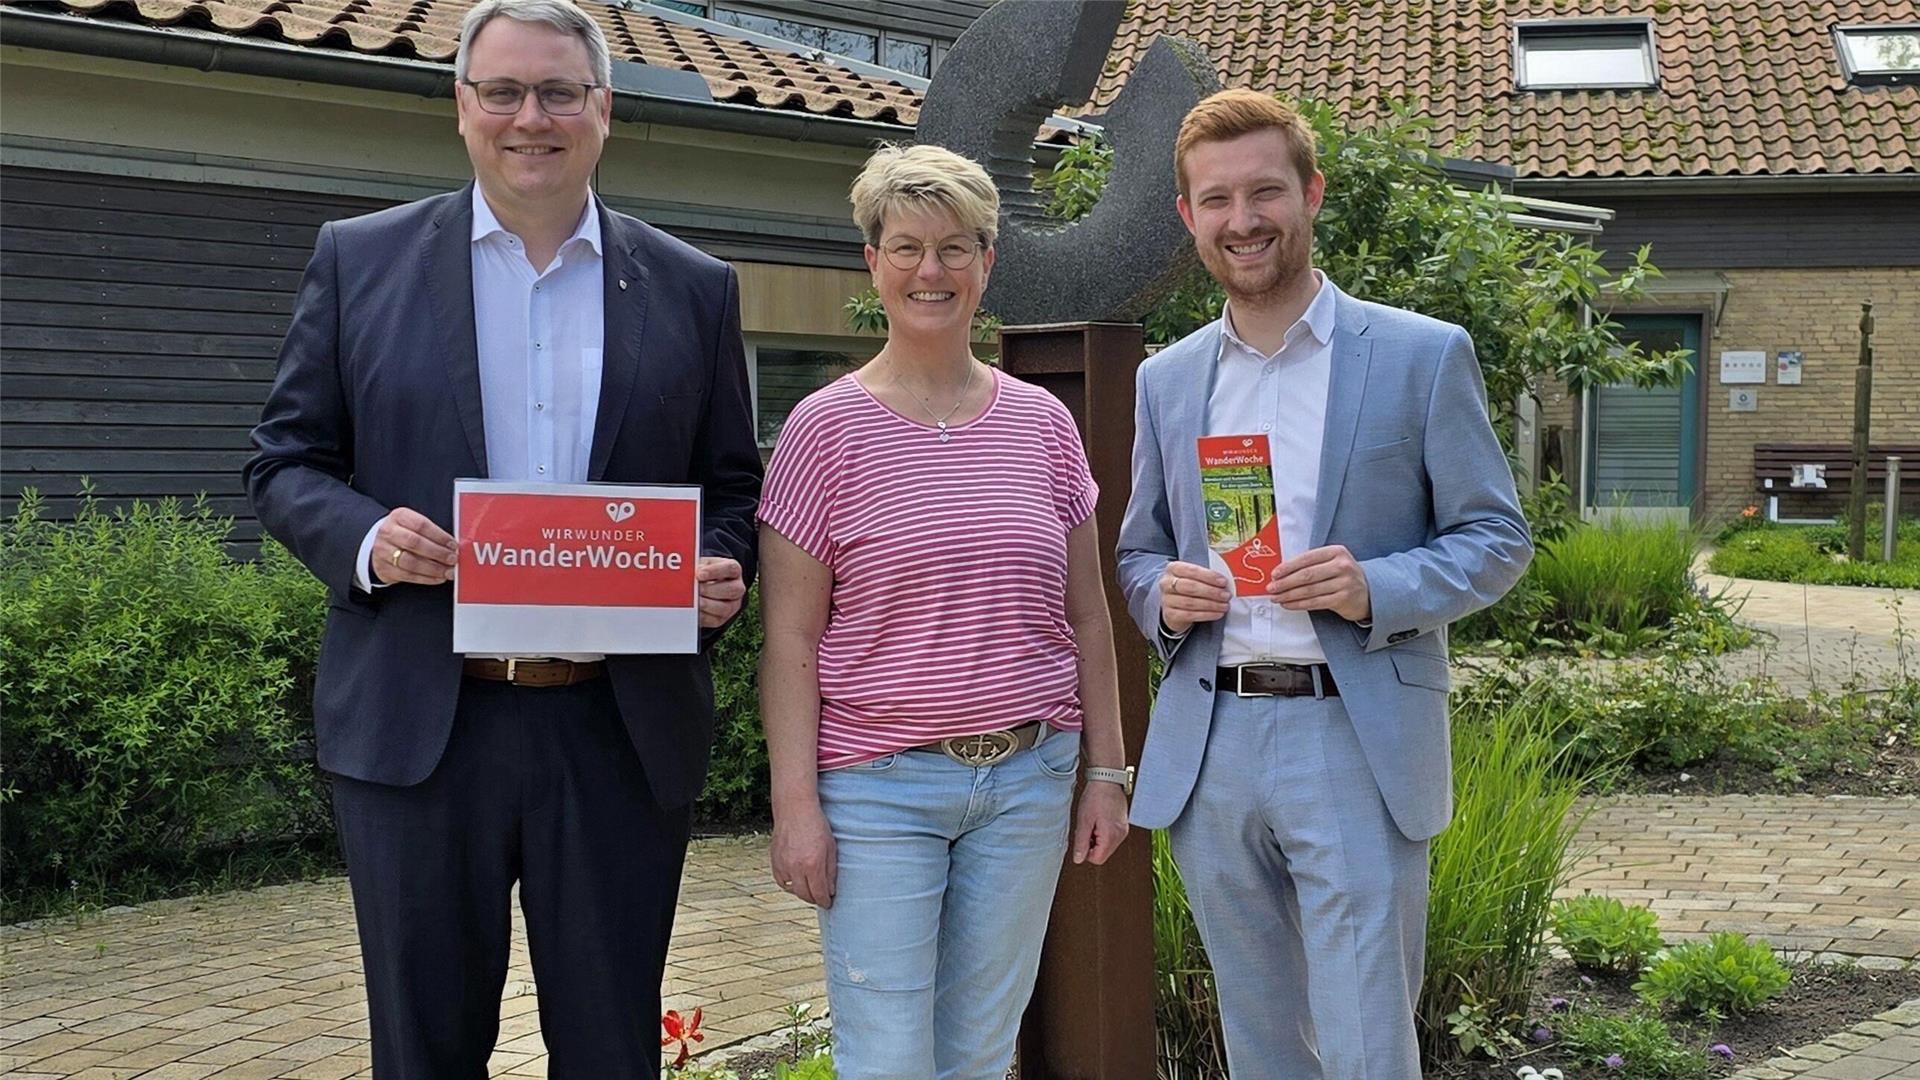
pixel 1395 230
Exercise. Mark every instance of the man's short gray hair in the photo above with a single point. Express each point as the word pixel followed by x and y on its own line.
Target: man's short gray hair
pixel 559 14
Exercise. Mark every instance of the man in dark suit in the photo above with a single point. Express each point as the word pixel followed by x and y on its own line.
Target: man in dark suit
pixel 516 329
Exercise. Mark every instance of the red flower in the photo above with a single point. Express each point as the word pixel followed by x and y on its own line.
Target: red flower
pixel 1749 511
pixel 683 1030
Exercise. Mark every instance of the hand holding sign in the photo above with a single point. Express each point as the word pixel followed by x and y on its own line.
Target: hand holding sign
pixel 410 549
pixel 1324 579
pixel 721 590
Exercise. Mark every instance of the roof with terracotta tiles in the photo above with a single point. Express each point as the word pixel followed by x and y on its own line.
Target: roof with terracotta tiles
pixel 1746 87
pixel 739 71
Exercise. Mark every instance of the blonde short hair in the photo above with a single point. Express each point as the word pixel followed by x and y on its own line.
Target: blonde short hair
pixel 899 179
pixel 1239 111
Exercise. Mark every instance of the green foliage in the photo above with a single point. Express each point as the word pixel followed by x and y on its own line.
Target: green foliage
pixel 867 315
pixel 1494 871
pixel 157 700
pixel 1186 1005
pixel 1603 933
pixel 1725 974
pixel 1645 1045
pixel 1612 587
pixel 1816 554
pixel 1393 229
pixel 736 791
pixel 1075 182
pixel 813 1068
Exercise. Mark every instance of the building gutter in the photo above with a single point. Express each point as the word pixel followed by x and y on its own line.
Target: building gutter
pixel 207 51
pixel 1587 188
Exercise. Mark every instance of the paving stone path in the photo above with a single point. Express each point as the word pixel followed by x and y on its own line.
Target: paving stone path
pixel 267 983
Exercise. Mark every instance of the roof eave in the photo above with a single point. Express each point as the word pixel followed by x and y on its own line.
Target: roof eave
pixel 208 51
pixel 1588 187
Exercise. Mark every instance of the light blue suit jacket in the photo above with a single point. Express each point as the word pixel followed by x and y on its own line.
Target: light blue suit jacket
pixel 1412 482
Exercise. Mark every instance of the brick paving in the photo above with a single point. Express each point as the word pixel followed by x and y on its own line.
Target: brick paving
pixel 1822 637
pixel 267 983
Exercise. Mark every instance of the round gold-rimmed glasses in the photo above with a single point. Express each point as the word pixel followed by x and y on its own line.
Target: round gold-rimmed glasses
pixel 954 253
pixel 504 97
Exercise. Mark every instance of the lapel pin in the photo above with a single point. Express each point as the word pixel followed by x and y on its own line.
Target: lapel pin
pixel 623 284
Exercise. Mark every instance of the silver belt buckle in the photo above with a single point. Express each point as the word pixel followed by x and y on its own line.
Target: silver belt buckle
pixel 979 751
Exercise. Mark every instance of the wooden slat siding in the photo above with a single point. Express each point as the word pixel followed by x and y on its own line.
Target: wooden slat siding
pixel 1715 232
pixel 141 327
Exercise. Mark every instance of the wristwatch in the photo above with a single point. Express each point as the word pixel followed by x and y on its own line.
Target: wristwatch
pixel 1123 777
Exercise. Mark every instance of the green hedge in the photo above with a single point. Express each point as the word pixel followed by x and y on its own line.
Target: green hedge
pixel 157 703
pixel 1816 554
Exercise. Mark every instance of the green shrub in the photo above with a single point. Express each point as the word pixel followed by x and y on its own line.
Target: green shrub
pixel 1725 974
pixel 1601 932
pixel 1186 1006
pixel 157 701
pixel 1640 1041
pixel 1815 554
pixel 1496 867
pixel 737 793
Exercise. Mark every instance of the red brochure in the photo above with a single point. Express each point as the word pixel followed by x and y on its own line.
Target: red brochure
pixel 1243 524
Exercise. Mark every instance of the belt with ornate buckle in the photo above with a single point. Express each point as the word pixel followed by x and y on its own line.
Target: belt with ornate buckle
pixel 988 747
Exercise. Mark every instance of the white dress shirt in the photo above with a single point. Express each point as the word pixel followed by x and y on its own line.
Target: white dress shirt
pixel 1283 396
pixel 540 337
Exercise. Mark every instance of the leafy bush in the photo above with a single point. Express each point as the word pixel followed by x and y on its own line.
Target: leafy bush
pixel 157 700
pixel 1638 1044
pixel 736 792
pixel 1186 1005
pixel 1601 932
pixel 1496 867
pixel 1723 975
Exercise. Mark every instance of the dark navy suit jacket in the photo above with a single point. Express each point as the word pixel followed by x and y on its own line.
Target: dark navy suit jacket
pixel 377 405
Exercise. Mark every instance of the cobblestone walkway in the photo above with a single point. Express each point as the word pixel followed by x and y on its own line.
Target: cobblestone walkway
pixel 1823 636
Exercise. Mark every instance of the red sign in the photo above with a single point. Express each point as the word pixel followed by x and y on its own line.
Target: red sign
pixel 576 549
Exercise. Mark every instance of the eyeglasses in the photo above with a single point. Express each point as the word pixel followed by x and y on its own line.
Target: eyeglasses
pixel 954 253
pixel 503 97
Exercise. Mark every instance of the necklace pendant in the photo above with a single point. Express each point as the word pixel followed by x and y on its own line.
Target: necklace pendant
pixel 943 435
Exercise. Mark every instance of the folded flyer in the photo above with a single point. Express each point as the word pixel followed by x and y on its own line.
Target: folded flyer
pixel 1243 523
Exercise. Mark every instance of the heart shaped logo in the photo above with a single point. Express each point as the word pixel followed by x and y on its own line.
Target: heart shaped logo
pixel 1246 442
pixel 619 511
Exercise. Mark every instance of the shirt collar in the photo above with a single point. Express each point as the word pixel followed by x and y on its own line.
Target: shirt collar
pixel 485 224
pixel 1317 319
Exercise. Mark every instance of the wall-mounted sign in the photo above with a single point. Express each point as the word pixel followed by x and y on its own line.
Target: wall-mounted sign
pixel 1789 368
pixel 1743 366
pixel 1741 399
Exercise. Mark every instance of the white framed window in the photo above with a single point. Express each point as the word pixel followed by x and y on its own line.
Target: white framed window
pixel 1585 54
pixel 1887 54
pixel 784 370
pixel 910 53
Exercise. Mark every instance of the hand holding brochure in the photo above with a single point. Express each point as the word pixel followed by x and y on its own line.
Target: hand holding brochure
pixel 1243 524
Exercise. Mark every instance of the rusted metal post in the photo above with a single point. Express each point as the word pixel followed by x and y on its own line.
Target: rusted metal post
pixel 1862 424
pixel 1092 1012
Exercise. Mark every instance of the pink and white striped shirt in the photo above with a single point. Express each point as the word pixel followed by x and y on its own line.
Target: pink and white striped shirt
pixel 949 560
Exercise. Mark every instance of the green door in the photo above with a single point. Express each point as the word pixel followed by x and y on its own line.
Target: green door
pixel 1643 444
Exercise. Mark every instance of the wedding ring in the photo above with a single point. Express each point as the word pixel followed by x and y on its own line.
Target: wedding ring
pixel 396 556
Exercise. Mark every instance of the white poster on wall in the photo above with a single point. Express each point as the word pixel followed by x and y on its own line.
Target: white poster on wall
pixel 1789 364
pixel 1743 366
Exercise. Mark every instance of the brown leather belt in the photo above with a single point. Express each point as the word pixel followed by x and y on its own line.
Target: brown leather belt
pixel 988 747
pixel 1276 680
pixel 539 674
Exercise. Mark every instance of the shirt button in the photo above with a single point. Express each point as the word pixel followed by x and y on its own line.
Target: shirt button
pixel 1268 426
pixel 536 345
pixel 539 468
pixel 538 405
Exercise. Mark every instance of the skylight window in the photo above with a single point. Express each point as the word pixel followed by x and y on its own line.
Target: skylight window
pixel 1584 55
pixel 1879 54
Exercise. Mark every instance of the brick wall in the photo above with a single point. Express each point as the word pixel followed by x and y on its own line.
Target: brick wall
pixel 1815 311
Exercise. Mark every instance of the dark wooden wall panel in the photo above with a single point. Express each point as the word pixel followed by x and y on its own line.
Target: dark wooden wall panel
pixel 1730 232
pixel 139 324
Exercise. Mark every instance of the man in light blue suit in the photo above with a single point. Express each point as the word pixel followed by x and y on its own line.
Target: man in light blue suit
pixel 1298 751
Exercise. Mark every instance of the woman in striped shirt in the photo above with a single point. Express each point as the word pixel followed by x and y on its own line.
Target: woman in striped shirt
pixel 937 650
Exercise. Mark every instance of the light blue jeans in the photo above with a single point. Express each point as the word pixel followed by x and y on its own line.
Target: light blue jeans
pixel 946 877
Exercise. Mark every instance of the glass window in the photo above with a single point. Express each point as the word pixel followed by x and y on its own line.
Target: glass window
pixel 1880 53
pixel 691 7
pixel 786 374
pixel 905 54
pixel 1557 57
pixel 849 43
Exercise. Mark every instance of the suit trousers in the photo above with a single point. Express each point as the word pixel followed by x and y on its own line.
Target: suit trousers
pixel 1311 902
pixel 539 787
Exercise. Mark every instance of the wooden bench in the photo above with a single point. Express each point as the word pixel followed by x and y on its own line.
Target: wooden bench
pixel 1773 467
